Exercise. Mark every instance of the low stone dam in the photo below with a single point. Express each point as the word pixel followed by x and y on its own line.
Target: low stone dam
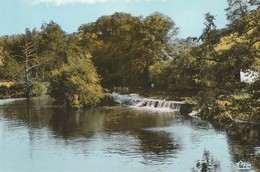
pixel 135 101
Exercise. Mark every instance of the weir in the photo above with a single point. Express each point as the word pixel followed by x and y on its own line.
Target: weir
pixel 135 101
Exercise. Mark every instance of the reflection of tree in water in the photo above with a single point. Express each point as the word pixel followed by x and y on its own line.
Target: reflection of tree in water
pixel 243 140
pixel 207 163
pixel 120 119
pixel 88 122
pixel 75 124
pixel 40 112
pixel 157 146
pixel 27 111
pixel 63 123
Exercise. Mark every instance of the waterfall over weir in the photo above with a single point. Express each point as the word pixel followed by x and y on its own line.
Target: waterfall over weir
pixel 135 101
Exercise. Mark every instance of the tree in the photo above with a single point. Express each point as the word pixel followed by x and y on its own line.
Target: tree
pixel 126 46
pixel 14 57
pixel 236 9
pixel 239 8
pixel 157 32
pixel 51 46
pixel 22 60
pixel 178 73
pixel 1 56
pixel 76 83
pixel 30 62
pixel 10 69
pixel 111 40
pixel 209 26
pixel 220 58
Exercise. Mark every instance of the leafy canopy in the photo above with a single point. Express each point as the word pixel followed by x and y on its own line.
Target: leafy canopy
pixel 76 83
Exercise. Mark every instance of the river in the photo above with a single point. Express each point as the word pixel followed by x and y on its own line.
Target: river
pixel 37 136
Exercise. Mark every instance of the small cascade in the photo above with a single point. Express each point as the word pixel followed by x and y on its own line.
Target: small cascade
pixel 135 101
pixel 157 104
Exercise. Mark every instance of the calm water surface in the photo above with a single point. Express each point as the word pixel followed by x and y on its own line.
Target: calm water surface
pixel 41 137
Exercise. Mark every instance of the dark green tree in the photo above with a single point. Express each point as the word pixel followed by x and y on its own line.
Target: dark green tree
pixel 76 82
pixel 10 69
pixel 110 40
pixel 158 31
pixel 178 73
pixel 51 43
pixel 126 46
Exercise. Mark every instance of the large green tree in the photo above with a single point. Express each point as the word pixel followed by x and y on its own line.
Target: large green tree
pixel 126 46
pixel 52 47
pixel 76 82
pixel 178 73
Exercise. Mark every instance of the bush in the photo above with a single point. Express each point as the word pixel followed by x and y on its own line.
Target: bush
pixel 76 84
pixel 37 89
pixel 14 90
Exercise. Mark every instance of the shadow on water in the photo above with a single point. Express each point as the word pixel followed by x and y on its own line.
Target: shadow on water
pixel 78 127
pixel 68 124
pixel 137 129
pixel 156 146
pixel 245 141
pixel 156 142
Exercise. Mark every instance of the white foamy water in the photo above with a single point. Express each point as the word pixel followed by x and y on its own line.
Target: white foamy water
pixel 141 103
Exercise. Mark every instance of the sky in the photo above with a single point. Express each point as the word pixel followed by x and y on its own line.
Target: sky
pixel 16 15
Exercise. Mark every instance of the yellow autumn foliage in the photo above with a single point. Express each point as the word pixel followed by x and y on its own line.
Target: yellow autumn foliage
pixel 252 25
pixel 6 83
pixel 223 103
pixel 228 41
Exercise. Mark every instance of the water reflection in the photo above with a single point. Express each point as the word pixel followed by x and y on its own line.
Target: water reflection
pixel 120 136
pixel 244 140
pixel 69 124
pixel 207 164
pixel 157 146
pixel 155 142
pixel 66 124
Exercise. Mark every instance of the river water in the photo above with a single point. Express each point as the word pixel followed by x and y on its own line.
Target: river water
pixel 37 136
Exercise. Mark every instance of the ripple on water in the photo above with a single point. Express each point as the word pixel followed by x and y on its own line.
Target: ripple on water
pixel 111 139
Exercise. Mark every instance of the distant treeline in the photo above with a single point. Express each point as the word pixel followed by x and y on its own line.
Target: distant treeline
pixel 122 50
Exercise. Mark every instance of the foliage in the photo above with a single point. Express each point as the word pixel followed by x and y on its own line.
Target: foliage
pixel 238 8
pixel 76 83
pixel 13 90
pixel 37 89
pixel 178 73
pixel 18 89
pixel 51 47
pixel 1 56
pixel 11 69
pixel 126 46
pixel 220 58
pixel 129 51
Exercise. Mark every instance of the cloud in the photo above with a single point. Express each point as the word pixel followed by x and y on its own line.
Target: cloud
pixel 64 2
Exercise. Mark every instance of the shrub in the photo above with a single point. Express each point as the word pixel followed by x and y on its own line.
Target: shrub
pixel 76 83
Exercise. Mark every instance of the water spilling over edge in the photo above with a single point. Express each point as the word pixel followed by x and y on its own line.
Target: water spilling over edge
pixel 142 103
